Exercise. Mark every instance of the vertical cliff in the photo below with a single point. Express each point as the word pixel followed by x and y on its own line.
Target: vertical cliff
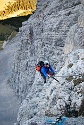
pixel 54 32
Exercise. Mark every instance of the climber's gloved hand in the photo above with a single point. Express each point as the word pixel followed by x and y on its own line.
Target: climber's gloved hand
pixel 48 76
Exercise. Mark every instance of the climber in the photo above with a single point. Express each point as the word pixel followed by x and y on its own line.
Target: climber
pixel 46 71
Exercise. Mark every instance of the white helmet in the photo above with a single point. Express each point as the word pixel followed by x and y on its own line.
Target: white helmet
pixel 46 62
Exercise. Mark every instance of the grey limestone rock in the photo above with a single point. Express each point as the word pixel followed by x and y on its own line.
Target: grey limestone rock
pixel 53 32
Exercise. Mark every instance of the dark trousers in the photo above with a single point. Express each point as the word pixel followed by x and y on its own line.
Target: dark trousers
pixel 43 77
pixel 51 74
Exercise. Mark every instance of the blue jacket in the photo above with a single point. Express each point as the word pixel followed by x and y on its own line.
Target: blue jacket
pixel 44 70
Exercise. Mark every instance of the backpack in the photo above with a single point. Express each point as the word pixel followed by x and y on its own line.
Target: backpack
pixel 39 66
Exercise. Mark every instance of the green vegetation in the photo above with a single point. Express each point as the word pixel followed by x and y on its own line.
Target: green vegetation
pixel 78 81
pixel 10 27
pixel 70 65
pixel 82 59
pixel 13 34
pixel 4 36
pixel 69 78
pixel 45 5
pixel 5 32
pixel 4 29
pixel 81 109
pixel 15 22
pixel 1 43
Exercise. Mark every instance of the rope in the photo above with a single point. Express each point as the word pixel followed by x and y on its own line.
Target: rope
pixel 65 76
pixel 69 75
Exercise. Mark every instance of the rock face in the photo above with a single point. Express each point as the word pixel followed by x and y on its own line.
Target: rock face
pixel 54 32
